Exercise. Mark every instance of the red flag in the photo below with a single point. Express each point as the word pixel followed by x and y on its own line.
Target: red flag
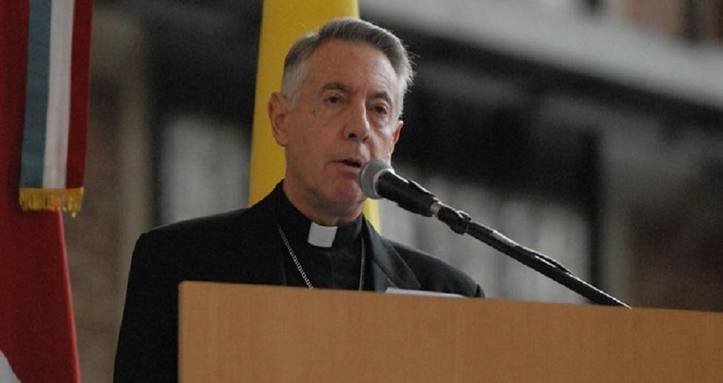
pixel 37 332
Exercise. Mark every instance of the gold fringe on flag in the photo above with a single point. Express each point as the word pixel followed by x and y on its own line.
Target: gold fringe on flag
pixel 36 199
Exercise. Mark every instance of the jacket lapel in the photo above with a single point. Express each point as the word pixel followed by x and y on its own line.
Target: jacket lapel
pixel 388 267
pixel 260 248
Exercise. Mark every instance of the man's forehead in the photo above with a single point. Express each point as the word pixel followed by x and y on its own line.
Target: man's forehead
pixel 354 54
pixel 340 64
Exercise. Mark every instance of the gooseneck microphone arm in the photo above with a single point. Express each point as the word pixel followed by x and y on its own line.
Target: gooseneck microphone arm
pixel 460 222
pixel 378 180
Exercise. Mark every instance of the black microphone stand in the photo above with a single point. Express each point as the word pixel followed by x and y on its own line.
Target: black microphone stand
pixel 460 222
pixel 427 204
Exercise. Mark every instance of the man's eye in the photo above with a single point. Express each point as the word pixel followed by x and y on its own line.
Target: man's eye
pixel 333 99
pixel 381 109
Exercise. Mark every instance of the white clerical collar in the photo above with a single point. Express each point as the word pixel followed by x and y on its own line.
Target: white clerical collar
pixel 321 236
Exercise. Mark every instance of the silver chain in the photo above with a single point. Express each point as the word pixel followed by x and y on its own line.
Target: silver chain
pixel 301 269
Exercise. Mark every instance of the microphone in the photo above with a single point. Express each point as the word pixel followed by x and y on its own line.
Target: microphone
pixel 377 179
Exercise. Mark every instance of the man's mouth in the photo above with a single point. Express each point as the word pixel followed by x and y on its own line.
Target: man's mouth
pixel 352 162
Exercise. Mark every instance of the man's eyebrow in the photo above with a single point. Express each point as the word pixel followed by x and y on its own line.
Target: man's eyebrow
pixel 384 96
pixel 336 86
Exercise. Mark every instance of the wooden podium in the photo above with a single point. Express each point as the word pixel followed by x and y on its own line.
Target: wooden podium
pixel 243 333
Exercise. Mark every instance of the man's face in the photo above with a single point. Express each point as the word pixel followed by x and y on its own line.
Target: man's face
pixel 344 113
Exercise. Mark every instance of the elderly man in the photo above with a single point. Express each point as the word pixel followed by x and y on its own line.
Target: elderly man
pixel 339 107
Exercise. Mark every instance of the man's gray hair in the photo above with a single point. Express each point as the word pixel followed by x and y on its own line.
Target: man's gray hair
pixel 353 30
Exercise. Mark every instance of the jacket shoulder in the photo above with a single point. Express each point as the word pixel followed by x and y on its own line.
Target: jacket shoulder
pixel 435 274
pixel 198 226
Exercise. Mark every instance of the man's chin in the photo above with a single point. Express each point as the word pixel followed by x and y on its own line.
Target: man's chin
pixel 346 199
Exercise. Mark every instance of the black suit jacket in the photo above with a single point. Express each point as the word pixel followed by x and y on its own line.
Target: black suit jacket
pixel 242 246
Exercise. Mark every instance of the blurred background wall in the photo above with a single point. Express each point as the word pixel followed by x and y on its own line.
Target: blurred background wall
pixel 590 130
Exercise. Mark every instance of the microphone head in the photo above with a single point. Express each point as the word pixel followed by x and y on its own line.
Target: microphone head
pixel 369 175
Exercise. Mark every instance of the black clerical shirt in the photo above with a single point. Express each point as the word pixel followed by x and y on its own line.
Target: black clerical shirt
pixel 337 266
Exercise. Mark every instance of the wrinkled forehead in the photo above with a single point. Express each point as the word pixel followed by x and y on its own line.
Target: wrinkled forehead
pixel 351 59
pixel 354 64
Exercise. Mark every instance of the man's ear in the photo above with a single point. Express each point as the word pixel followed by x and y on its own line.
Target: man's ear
pixel 397 131
pixel 278 109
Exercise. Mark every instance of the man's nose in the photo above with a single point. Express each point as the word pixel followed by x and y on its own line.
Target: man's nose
pixel 357 124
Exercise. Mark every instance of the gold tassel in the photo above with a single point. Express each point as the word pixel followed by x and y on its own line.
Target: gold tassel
pixel 36 199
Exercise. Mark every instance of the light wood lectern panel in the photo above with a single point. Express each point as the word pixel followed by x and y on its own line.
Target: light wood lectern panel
pixel 243 333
